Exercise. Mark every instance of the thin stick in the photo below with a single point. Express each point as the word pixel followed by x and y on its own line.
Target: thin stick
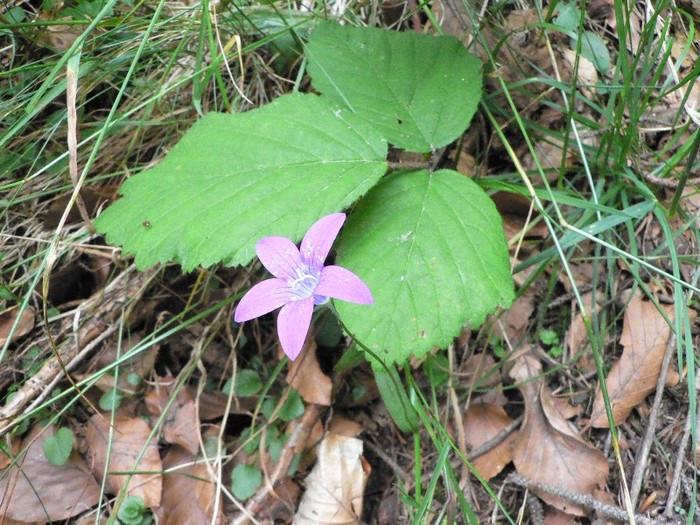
pixel 589 502
pixel 102 309
pixel 680 455
pixel 642 458
pixel 294 445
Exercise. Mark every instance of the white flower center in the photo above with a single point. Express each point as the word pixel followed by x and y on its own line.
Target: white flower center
pixel 305 283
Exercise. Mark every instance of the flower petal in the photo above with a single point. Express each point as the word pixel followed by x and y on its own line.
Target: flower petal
pixel 293 324
pixel 280 256
pixel 340 283
pixel 320 238
pixel 263 298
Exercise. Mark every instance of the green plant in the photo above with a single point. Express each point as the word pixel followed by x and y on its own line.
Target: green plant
pixel 133 511
pixel 58 446
pixel 429 244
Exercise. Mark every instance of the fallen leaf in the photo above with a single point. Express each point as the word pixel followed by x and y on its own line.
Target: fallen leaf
pixel 556 517
pixel 281 508
pixel 547 449
pixel 180 426
pixel 645 334
pixel 129 437
pixel 8 318
pixel 587 73
pixel 94 198
pixel 480 370
pixel 344 426
pixel 483 422
pixel 514 322
pixel 336 485
pixel 140 364
pixel 519 216
pixel 306 377
pixel 577 335
pixel 35 490
pixel 189 490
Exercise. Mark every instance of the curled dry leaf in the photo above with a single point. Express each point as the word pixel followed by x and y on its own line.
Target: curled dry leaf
pixel 336 485
pixel 180 426
pixel 35 490
pixel 645 334
pixel 306 377
pixel 547 449
pixel 8 318
pixel 483 422
pixel 129 438
pixel 189 490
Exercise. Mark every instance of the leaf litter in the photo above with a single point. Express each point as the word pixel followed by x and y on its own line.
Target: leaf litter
pixel 548 449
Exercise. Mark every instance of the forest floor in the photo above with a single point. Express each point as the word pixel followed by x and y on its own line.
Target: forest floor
pixel 130 394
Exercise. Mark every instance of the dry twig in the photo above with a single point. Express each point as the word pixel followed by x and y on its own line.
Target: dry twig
pixel 294 445
pixel 101 311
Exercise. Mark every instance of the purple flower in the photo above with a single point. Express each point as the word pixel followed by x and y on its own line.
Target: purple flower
pixel 300 282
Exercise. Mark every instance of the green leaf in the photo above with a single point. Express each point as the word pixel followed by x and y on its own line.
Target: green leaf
pixel 568 18
pixel 419 91
pixel 57 448
pixel 110 400
pixel 275 442
pixel 436 259
pixel 594 48
pixel 395 398
pixel 245 479
pixel 437 368
pixel 293 406
pixel 233 179
pixel 132 511
pixel 248 383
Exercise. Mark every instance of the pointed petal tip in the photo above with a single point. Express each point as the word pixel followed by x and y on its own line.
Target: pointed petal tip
pixel 264 297
pixel 293 324
pixel 340 283
pixel 279 256
pixel 318 241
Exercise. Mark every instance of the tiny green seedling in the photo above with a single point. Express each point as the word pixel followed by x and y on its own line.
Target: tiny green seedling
pixel 57 448
pixel 133 511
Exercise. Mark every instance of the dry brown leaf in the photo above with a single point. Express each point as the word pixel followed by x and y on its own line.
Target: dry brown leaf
pixel 344 426
pixel 547 449
pixel 94 198
pixel 140 364
pixel 644 337
pixel 480 369
pixel 281 508
pixel 336 485
pixel 128 439
pixel 34 490
pixel 556 517
pixel 180 426
pixel 8 318
pixel 587 73
pixel 577 335
pixel 519 216
pixel 549 153
pixel 513 323
pixel 306 377
pixel 189 490
pixel 482 422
